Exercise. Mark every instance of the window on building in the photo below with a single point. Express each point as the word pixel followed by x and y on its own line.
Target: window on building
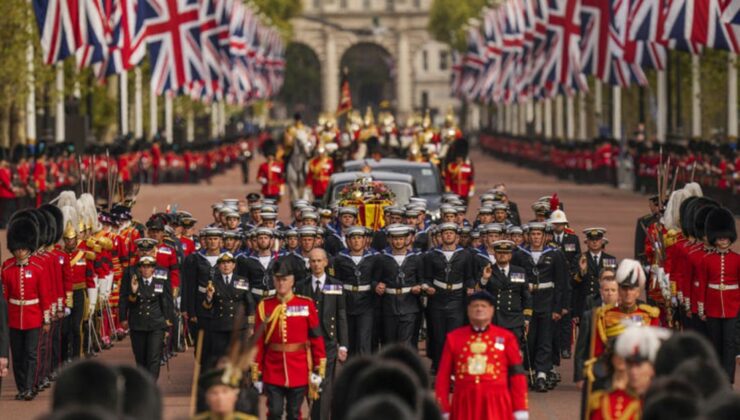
pixel 390 5
pixel 343 4
pixel 425 60
pixel 366 4
pixel 316 4
pixel 443 60
pixel 424 99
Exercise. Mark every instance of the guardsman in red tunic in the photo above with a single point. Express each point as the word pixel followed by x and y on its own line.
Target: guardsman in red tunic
pixel 320 169
pixel 291 357
pixel 28 300
pixel 719 287
pixel 271 174
pixel 459 174
pixel 697 212
pixel 165 255
pixel 486 364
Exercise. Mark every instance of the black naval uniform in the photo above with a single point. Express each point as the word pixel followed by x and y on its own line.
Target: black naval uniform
pixel 197 271
pixel 446 307
pixel 509 287
pixel 588 285
pixel 547 276
pixel 570 246
pixel 400 307
pixel 330 304
pixel 260 276
pixel 148 312
pixel 359 284
pixel 231 296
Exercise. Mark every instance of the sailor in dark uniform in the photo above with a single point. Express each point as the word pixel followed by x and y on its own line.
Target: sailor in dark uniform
pixel 335 239
pixel 258 265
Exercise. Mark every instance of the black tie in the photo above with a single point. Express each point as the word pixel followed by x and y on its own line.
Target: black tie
pixel 596 260
pixel 317 290
pixel 227 279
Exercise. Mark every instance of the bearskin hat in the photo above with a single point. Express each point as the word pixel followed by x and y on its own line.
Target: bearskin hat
pixel 684 220
pixel 388 407
pixel 387 377
pixel 74 383
pixel 720 223
pixel 56 213
pixel 723 406
pixel 23 231
pixel 269 148
pixel 48 231
pixel 700 217
pixel 459 148
pixel 141 397
pixel 340 403
pixel 691 211
pixel 682 346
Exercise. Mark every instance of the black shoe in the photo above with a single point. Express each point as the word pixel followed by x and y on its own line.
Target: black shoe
pixel 553 376
pixel 540 385
pixel 53 376
pixel 19 396
pixel 45 384
pixel 28 396
pixel 565 354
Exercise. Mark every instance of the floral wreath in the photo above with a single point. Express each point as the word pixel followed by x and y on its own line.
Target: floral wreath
pixel 366 190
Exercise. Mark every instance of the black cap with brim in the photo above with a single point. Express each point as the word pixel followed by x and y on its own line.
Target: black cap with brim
pixel 282 268
pixel 481 295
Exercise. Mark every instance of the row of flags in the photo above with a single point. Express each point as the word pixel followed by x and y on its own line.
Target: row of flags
pixel 526 49
pixel 207 49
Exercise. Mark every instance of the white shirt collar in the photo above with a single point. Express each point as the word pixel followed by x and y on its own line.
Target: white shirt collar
pixel 321 279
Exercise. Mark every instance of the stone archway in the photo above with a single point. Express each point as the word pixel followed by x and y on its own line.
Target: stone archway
pixel 371 71
pixel 301 91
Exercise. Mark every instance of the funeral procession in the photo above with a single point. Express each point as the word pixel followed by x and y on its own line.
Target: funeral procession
pixel 369 210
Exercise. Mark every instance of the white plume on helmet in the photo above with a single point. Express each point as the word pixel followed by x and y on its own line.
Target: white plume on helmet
pixel 630 273
pixel 671 216
pixel 66 198
pixel 641 342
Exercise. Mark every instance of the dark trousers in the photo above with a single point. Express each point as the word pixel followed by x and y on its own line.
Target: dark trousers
pixel 360 328
pixel 24 348
pixel 566 332
pixel 43 356
pixel 695 323
pixel 722 335
pixel 442 322
pixel 56 344
pixel 321 407
pixel 284 400
pixel 72 327
pixel 147 347
pixel 400 329
pixel 539 341
pixel 218 347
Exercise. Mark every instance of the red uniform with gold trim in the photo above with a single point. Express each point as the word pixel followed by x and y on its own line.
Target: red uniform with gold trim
pixel 695 257
pixel 320 169
pixel 61 258
pixel 24 287
pixel 188 245
pixel 615 404
pixel 459 178
pixel 719 285
pixel 292 344
pixel 272 177
pixel 488 375
pixel 609 323
pixel 167 258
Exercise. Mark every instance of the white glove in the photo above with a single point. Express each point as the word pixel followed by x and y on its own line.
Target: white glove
pixel 67 311
pixel 521 415
pixel 258 386
pixel 108 283
pixel 316 380
pixel 92 297
pixel 177 302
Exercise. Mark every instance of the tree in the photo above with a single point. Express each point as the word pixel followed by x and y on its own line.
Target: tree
pixel 447 19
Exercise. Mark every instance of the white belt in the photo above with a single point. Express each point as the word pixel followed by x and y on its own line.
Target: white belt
pixel 448 286
pixel 545 285
pixel 262 292
pixel 23 302
pixel 723 286
pixel 360 288
pixel 397 290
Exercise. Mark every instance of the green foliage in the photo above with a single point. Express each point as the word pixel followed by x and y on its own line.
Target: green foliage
pixel 447 20
pixel 280 12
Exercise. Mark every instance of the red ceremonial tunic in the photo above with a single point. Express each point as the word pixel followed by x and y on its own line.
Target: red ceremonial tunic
pixel 459 178
pixel 695 257
pixel 28 298
pixel 167 258
pixel 320 169
pixel 488 375
pixel 719 284
pixel 616 404
pixel 272 176
pixel 292 343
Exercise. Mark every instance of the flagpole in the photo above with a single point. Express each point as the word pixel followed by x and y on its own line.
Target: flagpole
pixel 582 116
pixel 31 97
pixel 138 105
pixel 59 117
pixel 221 118
pixel 153 114
pixel 538 117
pixel 514 118
pixel 662 121
pixel 123 102
pixel 168 118
pixel 214 120
pixel 598 104
pixel 559 129
pixel 695 98
pixel 190 126
pixel 617 112
pixel 732 96
pixel 570 123
pixel 548 118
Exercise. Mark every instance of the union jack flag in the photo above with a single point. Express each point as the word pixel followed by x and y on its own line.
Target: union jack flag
pixel 126 37
pixel 619 71
pixel 719 33
pixel 645 25
pixel 681 22
pixel 59 28
pixel 562 67
pixel 95 33
pixel 173 38
pixel 213 29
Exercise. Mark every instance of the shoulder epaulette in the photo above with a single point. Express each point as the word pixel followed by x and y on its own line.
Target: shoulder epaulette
pixel 651 310
pixel 594 402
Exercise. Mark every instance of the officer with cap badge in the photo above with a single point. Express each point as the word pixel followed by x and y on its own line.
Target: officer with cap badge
pixel 336 237
pixel 228 300
pixel 222 388
pixel 507 283
pixel 590 265
pixel 355 267
pixel 400 274
pixel 146 309
pixel 567 241
pixel 291 358
pixel 448 277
